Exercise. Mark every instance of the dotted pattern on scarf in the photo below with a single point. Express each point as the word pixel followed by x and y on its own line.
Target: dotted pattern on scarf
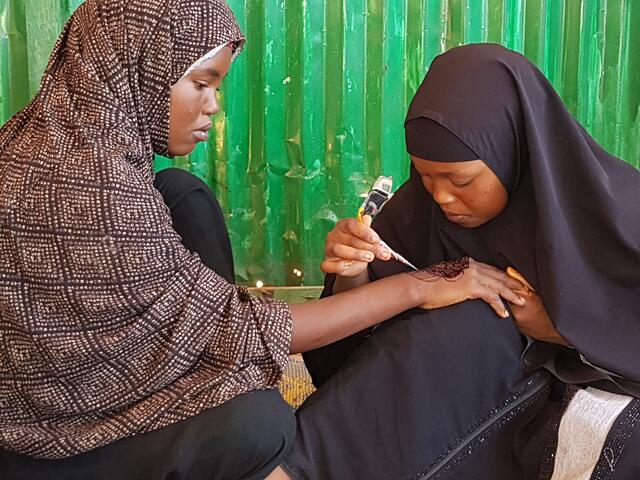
pixel 109 327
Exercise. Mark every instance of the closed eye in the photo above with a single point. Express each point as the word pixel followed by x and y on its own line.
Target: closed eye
pixel 462 183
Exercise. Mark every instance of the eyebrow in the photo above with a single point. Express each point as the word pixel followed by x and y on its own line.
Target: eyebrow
pixel 208 71
pixel 456 173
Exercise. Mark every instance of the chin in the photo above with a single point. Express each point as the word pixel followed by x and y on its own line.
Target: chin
pixel 475 223
pixel 184 149
pixel 470 223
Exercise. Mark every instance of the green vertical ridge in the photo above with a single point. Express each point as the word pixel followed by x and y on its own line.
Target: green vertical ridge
pixel 313 141
pixel 394 107
pixel 238 211
pixel 334 101
pixel 353 108
pixel 275 88
pixel 374 76
pixel 296 173
pixel 255 230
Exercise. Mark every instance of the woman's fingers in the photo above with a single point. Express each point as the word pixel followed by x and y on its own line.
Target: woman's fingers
pixel 366 238
pixel 359 230
pixel 494 302
pixel 492 287
pixel 500 276
pixel 336 265
pixel 510 295
pixel 378 250
pixel 353 240
pixel 513 273
pixel 346 252
pixel 481 289
pixel 339 244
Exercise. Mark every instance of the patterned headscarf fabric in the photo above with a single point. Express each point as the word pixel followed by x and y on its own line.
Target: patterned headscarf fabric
pixel 109 327
pixel 212 53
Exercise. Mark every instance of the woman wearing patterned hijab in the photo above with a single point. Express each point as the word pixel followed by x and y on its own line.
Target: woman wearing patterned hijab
pixel 124 354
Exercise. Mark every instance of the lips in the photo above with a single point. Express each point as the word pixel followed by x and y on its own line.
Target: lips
pixel 455 217
pixel 453 214
pixel 206 127
pixel 202 134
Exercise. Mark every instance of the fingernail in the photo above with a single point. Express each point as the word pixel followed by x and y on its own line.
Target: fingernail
pixel 522 301
pixel 374 239
pixel 505 314
pixel 368 256
pixel 347 264
pixel 386 255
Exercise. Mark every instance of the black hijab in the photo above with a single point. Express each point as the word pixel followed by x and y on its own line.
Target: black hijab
pixel 572 224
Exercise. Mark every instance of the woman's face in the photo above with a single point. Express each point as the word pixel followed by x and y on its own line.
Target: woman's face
pixel 193 101
pixel 469 193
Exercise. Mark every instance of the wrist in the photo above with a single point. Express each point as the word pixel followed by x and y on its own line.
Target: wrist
pixel 418 290
pixel 343 283
pixel 427 294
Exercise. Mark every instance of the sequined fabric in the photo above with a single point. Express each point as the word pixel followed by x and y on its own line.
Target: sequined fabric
pixel 617 444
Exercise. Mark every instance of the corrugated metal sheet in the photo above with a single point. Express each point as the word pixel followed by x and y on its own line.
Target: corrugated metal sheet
pixel 313 108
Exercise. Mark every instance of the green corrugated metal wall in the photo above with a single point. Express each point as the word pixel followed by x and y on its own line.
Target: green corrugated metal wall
pixel 313 108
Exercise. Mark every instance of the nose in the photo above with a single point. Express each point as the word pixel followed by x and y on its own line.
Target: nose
pixel 211 106
pixel 442 195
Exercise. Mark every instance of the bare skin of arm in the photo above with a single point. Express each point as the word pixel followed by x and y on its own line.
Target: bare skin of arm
pixel 342 284
pixel 320 322
pixel 327 320
pixel 278 474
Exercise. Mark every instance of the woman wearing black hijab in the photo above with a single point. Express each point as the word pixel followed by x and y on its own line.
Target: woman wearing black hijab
pixel 503 173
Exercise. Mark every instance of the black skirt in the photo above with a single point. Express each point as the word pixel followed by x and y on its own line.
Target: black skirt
pixel 244 438
pixel 430 395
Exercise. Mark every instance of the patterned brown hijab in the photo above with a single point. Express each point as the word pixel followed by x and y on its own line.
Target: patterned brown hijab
pixel 108 325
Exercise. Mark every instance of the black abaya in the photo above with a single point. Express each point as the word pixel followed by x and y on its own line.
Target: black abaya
pixel 412 398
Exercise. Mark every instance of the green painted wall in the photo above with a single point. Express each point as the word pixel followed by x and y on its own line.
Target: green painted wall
pixel 313 108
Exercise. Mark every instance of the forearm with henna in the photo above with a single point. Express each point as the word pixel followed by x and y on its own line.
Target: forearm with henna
pixel 330 319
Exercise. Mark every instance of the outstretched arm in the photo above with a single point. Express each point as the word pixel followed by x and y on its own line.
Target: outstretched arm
pixel 327 320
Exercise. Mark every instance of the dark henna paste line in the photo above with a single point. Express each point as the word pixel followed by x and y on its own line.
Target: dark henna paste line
pixel 450 270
